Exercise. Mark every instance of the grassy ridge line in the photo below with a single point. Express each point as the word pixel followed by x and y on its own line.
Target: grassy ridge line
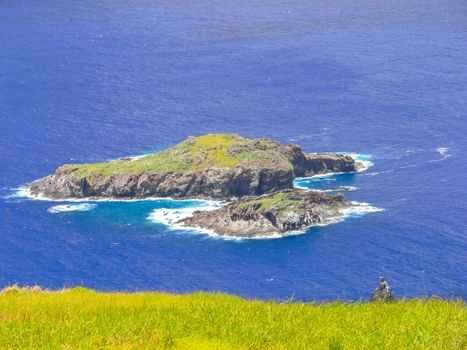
pixel 193 154
pixel 83 319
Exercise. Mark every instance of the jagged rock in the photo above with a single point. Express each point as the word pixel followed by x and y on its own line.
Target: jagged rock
pixel 318 163
pixel 210 166
pixel 383 292
pixel 271 214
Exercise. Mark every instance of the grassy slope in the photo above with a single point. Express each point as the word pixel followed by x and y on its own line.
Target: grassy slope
pixel 80 319
pixel 220 150
pixel 279 201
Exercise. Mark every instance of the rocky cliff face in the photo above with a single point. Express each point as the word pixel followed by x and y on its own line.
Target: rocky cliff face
pixel 210 166
pixel 209 183
pixel 271 214
pixel 309 164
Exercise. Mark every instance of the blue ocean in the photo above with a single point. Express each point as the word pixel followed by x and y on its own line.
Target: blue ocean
pixel 87 81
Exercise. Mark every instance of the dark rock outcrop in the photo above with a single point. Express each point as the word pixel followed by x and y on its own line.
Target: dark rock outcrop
pixel 209 183
pixel 272 214
pixel 309 164
pixel 383 292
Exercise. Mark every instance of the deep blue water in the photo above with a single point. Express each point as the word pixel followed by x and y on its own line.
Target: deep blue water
pixel 84 81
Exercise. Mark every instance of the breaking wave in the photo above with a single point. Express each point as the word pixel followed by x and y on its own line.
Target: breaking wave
pixel 171 216
pixel 361 208
pixel 378 173
pixel 71 207
pixel 443 151
pixel 364 159
pixel 24 192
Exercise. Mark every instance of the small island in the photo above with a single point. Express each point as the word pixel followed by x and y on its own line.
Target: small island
pixel 254 176
pixel 272 214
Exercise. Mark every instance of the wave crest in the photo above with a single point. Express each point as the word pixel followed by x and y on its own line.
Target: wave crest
pixel 71 207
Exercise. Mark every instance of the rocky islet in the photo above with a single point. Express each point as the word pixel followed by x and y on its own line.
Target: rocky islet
pixel 255 177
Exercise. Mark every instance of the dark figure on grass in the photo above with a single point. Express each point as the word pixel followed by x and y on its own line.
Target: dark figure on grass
pixel 383 292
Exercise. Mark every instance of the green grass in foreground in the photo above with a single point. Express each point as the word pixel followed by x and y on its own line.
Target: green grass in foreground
pixel 83 319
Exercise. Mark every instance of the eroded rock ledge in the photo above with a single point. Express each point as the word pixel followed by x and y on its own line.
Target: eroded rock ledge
pixel 219 166
pixel 271 214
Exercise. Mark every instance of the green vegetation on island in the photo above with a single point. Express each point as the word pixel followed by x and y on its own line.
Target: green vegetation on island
pixel 193 154
pixel 281 200
pixel 83 319
pixel 218 166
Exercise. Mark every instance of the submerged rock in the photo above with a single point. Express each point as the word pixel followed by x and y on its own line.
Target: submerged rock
pixel 383 292
pixel 274 214
pixel 210 166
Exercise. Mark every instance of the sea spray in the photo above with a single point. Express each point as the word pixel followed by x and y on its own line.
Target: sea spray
pixel 71 207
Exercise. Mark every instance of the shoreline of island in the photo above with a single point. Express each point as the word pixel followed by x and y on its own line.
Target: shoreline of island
pixel 222 172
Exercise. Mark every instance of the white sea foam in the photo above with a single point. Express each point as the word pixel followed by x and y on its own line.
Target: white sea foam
pixel 341 188
pixel 443 151
pixel 364 159
pixel 132 158
pixel 378 173
pixel 319 177
pixel 71 207
pixel 296 185
pixel 171 216
pixel 360 209
pixel 21 192
pixel 329 190
pixel 24 192
pixel 306 182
